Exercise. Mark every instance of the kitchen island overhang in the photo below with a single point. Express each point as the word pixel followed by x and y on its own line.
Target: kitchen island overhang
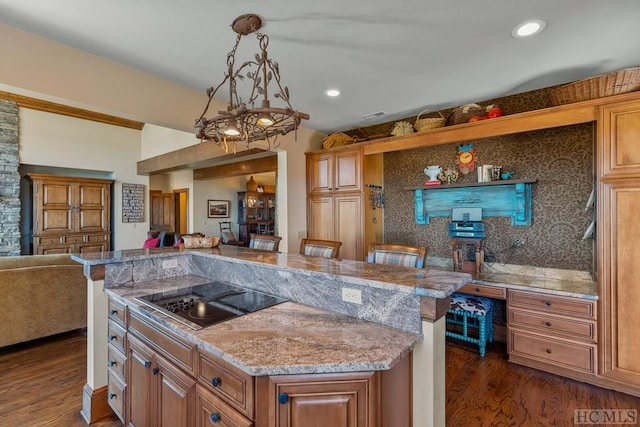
pixel 404 298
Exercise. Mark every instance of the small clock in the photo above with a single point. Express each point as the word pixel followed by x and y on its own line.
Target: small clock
pixel 466 158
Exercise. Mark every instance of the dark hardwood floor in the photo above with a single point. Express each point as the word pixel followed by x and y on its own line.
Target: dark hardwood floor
pixel 41 385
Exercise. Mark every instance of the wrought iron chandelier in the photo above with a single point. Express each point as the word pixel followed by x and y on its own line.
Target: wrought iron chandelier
pixel 244 122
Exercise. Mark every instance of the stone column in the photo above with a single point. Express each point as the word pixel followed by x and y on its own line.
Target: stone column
pixel 9 180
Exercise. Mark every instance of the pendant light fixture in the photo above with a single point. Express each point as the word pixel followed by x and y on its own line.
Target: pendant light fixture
pixel 243 122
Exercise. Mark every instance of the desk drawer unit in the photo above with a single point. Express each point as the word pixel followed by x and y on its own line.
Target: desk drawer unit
pixel 552 333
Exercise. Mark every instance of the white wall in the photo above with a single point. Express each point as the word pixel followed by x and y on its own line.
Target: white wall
pixel 59 141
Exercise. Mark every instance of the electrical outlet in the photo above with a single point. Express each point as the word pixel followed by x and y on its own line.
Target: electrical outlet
pixel 352 295
pixel 517 243
pixel 169 263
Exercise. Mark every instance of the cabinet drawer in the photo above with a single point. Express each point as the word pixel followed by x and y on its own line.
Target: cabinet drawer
pixel 116 335
pixel 116 395
pixel 553 304
pixel 96 238
pixel 73 239
pixel 116 361
pixel 484 291
pixel 117 312
pixel 174 348
pixel 553 325
pixel 49 240
pixel 208 404
pixel 563 353
pixel 228 382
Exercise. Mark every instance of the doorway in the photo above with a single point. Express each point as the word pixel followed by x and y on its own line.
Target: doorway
pixel 170 211
pixel 181 206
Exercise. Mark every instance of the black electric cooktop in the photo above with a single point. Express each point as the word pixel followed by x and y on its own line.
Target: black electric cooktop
pixel 204 305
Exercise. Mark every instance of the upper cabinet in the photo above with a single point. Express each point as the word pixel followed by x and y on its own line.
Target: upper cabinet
pixel 334 172
pixel 619 128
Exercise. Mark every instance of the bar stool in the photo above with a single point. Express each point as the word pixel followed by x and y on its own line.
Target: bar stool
pixel 473 312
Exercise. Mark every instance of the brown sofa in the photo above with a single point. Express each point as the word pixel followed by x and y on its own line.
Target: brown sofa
pixel 40 295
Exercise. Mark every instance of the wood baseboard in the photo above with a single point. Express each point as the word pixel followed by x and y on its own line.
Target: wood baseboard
pixel 95 404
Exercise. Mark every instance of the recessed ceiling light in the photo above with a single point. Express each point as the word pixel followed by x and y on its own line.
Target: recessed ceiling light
pixel 528 28
pixel 332 93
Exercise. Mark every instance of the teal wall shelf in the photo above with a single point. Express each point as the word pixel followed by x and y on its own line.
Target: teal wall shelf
pixel 510 198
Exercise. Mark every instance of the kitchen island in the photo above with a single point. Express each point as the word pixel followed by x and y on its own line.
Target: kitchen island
pixel 400 317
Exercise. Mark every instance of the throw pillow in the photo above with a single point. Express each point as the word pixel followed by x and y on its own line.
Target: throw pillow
pixel 151 243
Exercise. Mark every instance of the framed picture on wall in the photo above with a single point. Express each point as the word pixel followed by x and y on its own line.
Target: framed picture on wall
pixel 218 208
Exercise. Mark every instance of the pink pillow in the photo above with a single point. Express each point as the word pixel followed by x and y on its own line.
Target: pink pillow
pixel 151 242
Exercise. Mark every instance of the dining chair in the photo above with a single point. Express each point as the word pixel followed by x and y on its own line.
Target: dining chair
pixel 320 248
pixel 397 254
pixel 264 242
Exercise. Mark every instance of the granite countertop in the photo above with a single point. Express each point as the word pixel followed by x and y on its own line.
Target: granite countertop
pixel 423 282
pixel 287 338
pixel 554 286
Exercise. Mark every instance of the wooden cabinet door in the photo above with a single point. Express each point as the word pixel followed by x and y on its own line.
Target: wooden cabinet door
pixel 320 173
pixel 92 206
pixel 348 226
pixel 619 278
pixel 336 400
pixel 348 174
pixel 140 404
pixel 619 128
pixel 320 218
pixel 162 211
pixel 175 393
pixel 53 207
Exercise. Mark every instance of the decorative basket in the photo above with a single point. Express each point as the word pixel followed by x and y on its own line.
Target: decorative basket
pixel 337 140
pixel 402 127
pixel 463 113
pixel 613 83
pixel 429 123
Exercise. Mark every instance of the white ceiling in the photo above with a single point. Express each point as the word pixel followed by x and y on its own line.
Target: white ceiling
pixel 397 57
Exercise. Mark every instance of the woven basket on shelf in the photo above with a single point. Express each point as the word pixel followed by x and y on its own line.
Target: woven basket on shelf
pixel 429 123
pixel 613 83
pixel 337 140
pixel 463 113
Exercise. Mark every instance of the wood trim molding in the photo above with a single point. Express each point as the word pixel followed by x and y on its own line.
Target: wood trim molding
pixel 66 110
pixel 95 404
pixel 246 167
pixel 194 156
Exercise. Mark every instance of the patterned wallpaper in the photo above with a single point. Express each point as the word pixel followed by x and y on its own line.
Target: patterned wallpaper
pixel 561 159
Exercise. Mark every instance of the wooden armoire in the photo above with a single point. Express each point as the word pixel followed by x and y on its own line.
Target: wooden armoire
pixel 70 214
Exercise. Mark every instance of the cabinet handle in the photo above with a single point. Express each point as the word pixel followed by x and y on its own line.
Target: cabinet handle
pixel 547 303
pixel 112 337
pixel 155 371
pixel 112 363
pixel 215 418
pixel 477 289
pixel 548 351
pixel 547 324
pixel 113 312
pixel 283 398
pixel 216 381
pixel 112 396
pixel 147 364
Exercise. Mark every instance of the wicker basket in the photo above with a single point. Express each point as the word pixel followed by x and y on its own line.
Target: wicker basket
pixel 429 123
pixel 614 83
pixel 463 113
pixel 337 140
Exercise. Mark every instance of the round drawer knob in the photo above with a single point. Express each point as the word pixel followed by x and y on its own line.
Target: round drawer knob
pixel 112 396
pixel 155 371
pixel 147 364
pixel 477 289
pixel 112 363
pixel 215 418
pixel 114 312
pixel 548 324
pixel 547 303
pixel 112 337
pixel 283 398
pixel 216 381
pixel 548 351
